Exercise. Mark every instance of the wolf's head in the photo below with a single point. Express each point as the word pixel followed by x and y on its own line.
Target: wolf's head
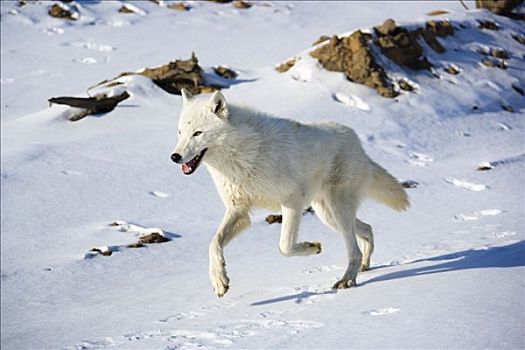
pixel 201 123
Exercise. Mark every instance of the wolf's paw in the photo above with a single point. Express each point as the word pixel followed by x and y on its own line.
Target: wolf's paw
pixel 313 247
pixel 219 280
pixel 344 283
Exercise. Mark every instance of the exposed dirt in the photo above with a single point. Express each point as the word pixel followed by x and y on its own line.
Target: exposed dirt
pixel 353 56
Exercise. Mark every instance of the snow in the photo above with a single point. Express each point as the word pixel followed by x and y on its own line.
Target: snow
pixel 449 273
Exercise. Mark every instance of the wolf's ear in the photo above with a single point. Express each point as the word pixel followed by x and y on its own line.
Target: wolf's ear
pixel 186 96
pixel 218 105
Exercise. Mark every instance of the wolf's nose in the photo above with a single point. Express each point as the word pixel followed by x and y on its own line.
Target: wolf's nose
pixel 177 158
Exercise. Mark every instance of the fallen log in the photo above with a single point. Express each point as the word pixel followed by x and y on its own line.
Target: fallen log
pixel 90 105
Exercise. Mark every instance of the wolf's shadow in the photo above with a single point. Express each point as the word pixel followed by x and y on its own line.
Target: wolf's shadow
pixel 512 255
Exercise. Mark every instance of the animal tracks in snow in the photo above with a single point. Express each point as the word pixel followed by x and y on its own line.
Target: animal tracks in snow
pixel 419 159
pixel 476 215
pixel 325 268
pixel 470 186
pixel 222 335
pixel 93 46
pixel 351 101
pixel 86 60
pixel 159 194
pixel 381 312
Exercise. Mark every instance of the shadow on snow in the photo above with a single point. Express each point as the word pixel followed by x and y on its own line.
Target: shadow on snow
pixel 512 255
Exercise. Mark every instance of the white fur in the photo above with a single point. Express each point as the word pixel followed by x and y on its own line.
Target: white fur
pixel 258 161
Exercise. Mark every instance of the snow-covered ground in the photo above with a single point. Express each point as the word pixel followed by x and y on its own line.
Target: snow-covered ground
pixel 449 273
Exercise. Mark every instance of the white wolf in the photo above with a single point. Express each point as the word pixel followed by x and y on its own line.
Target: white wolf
pixel 260 161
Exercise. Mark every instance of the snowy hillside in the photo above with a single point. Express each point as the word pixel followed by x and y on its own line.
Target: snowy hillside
pixel 449 273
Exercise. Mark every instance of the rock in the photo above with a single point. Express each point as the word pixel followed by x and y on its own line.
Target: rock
pixel 352 56
pixel 153 237
pixel 135 245
pixel 485 166
pixel 518 89
pixel 241 4
pixel 225 72
pixel 105 251
pixel 174 76
pixel 494 63
pixel 519 38
pixel 388 27
pixel 437 13
pixel 431 40
pixel 452 70
pixel 277 218
pixel 500 7
pixel 272 219
pixel 401 46
pixel 499 53
pixel 405 85
pixel 221 1
pixel 180 6
pixel 58 11
pixel 125 9
pixel 487 24
pixel 507 108
pixel 284 67
pixel 409 184
pixel 440 28
pixel 321 39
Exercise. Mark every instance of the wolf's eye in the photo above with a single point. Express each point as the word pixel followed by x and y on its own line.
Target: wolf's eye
pixel 197 133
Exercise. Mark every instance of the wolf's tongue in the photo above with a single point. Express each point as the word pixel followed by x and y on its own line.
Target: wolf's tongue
pixel 185 168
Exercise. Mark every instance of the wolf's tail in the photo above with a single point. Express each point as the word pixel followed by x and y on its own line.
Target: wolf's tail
pixel 386 189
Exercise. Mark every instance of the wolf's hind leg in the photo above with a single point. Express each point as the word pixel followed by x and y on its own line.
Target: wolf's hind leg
pixel 337 211
pixel 288 244
pixel 366 238
pixel 233 223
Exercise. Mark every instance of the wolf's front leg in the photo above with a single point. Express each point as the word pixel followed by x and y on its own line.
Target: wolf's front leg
pixel 233 222
pixel 288 244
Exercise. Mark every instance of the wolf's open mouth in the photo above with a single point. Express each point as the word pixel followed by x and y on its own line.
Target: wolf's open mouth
pixel 189 167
